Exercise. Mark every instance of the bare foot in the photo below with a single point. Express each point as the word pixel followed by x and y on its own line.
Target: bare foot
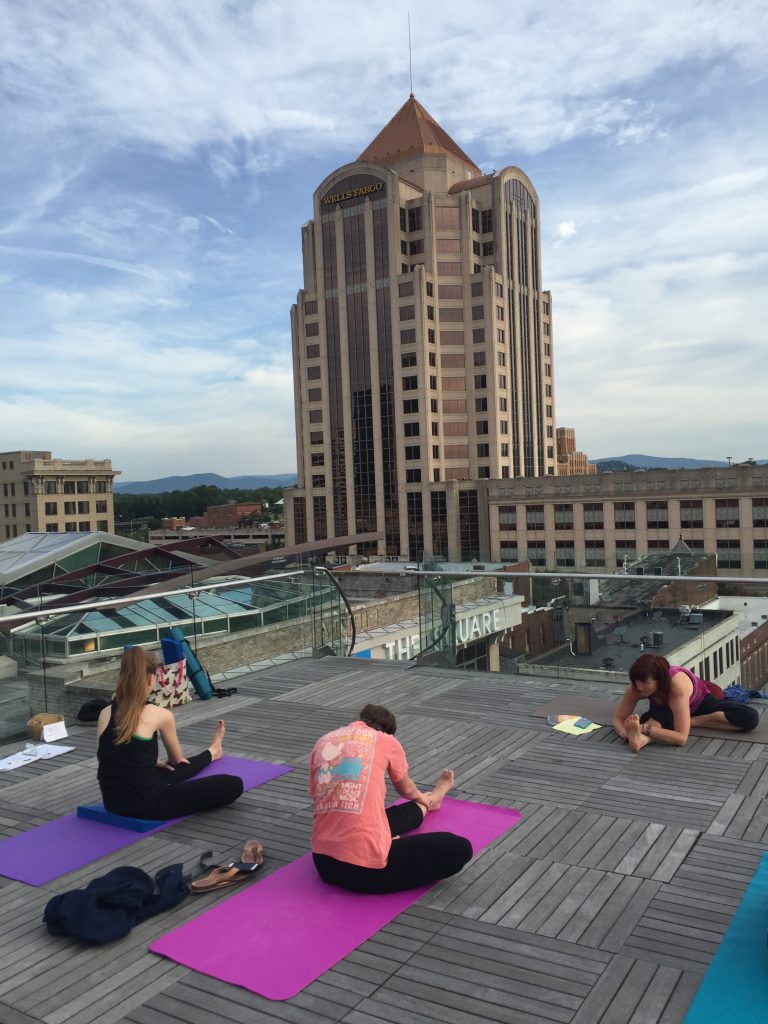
pixel 444 783
pixel 635 737
pixel 216 748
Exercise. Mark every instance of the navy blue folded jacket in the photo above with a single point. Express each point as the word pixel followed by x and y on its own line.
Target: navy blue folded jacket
pixel 110 906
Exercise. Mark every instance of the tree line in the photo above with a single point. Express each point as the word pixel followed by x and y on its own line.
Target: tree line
pixel 193 502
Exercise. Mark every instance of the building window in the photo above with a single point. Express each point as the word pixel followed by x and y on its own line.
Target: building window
pixel 435 429
pixel 404 289
pixel 727 513
pixel 50 487
pixel 728 554
pixel 410 405
pixel 314 395
pixel 430 312
pixel 412 452
pixel 69 486
pixel 482 427
pixel 70 508
pixel 478 336
pixel 480 381
pixel 594 553
pixel 310 307
pixel 563 517
pixel 311 330
pixel 478 358
pixel 435 451
pixel 433 405
pixel 313 351
pixel 410 383
pixel 417 247
pixel 51 508
pixel 408 336
pixel 504 449
pixel 502 380
pixel 316 437
pixel 487 249
pixel 503 426
pixel 658 515
pixel 449 291
pixel 101 487
pixel 318 480
pixel 475 220
pixel 537 553
pixel 84 527
pixel 624 515
pixel 565 554
pixel 83 508
pixel 691 515
pixel 483 451
pixel 481 405
pixel 483 472
pixel 433 383
pixel 82 487
pixel 451 314
pixel 103 525
pixel 318 459
pixel 49 528
pixel 534 517
pixel 407 312
pixel 413 476
pixel 414 219
pixel 486 221
pixel 478 312
pixel 315 415
pixel 411 429
pixel 408 359
pixel 761 553
pixel 760 512
pixel 313 373
pixel 476 289
pixel 445 269
pixel 508 517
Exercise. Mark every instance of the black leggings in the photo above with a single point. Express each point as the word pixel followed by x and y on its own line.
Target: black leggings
pixel 413 861
pixel 742 716
pixel 183 794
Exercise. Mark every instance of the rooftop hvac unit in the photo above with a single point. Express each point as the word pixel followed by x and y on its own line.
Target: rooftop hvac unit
pixel 684 610
pixel 657 639
pixel 695 619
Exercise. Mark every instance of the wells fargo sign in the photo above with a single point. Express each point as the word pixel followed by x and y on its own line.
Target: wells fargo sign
pixel 354 193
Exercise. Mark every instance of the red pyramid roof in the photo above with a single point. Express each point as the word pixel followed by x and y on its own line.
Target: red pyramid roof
pixel 413 130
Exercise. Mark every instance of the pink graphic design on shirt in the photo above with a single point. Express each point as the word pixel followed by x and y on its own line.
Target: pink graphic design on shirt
pixel 344 770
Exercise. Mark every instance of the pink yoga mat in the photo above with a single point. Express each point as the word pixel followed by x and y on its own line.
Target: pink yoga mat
pixel 60 846
pixel 282 932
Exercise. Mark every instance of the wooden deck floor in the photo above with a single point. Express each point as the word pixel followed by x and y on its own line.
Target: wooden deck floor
pixel 603 906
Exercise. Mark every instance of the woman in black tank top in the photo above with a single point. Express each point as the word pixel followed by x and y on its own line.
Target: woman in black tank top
pixel 133 781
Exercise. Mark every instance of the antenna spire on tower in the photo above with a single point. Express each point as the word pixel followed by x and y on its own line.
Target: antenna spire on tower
pixel 410 54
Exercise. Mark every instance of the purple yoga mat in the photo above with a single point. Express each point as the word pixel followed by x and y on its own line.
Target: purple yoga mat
pixel 283 931
pixel 48 851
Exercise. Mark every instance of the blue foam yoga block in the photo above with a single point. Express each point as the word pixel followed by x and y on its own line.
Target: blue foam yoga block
pixel 97 812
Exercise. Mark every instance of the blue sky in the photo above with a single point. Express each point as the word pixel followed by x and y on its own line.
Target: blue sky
pixel 159 158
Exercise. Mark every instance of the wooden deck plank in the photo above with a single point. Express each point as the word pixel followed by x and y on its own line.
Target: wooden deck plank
pixel 603 906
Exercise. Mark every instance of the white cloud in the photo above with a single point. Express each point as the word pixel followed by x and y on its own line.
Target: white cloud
pixel 160 158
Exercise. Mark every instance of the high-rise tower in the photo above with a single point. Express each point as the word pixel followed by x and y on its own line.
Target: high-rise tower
pixel 422 345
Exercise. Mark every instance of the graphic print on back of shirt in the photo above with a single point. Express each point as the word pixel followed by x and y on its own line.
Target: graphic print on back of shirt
pixel 343 770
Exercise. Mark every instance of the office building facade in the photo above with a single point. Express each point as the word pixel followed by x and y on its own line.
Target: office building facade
pixel 605 522
pixel 422 345
pixel 41 494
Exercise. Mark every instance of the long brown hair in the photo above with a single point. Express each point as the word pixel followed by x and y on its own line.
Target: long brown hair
pixel 136 667
pixel 652 666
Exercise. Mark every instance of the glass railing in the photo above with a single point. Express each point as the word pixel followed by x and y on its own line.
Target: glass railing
pixel 58 653
pixel 570 626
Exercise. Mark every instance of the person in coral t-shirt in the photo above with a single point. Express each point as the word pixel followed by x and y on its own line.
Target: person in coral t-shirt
pixel 356 840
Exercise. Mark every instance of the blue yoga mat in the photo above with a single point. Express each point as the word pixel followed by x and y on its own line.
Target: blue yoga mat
pixel 735 988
